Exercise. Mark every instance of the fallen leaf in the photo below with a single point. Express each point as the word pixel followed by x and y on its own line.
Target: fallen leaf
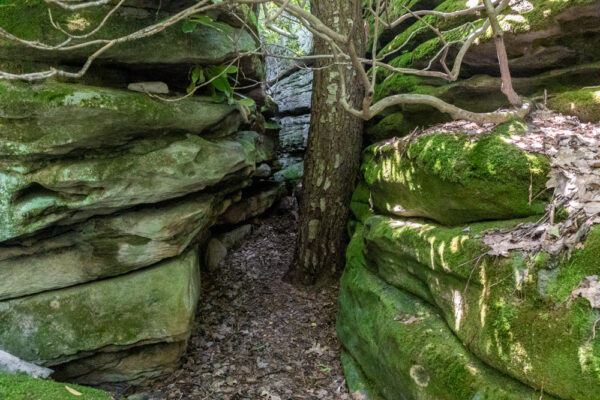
pixel 73 391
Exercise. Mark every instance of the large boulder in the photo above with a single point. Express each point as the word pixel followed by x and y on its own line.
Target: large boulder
pixel 107 194
pixel 521 315
pixel 156 305
pixel 30 21
pixel 583 103
pixel 539 35
pixel 149 171
pixel 293 93
pixel 107 246
pixel 54 119
pixel 440 281
pixel 455 178
pixel 405 348
pixel 123 368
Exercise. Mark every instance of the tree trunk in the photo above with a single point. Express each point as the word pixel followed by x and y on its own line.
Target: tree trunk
pixel 332 159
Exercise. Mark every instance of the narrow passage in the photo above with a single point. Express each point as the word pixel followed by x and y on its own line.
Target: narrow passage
pixel 257 337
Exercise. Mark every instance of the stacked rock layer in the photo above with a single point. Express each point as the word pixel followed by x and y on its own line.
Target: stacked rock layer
pixel 427 311
pixel 107 196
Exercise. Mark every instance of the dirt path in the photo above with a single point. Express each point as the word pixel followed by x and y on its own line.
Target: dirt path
pixel 257 337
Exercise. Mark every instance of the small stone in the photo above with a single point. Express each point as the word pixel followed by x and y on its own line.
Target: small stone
pixel 149 87
pixel 262 171
pixel 215 254
pixel 12 365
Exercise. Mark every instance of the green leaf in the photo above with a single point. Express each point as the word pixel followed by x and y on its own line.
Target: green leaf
pixel 253 18
pixel 206 21
pixel 217 98
pixel 271 125
pixel 246 102
pixel 232 69
pixel 198 75
pixel 553 230
pixel 188 26
pixel 325 368
pixel 222 84
pixel 191 87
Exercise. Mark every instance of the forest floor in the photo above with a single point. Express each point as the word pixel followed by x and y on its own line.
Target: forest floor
pixel 257 337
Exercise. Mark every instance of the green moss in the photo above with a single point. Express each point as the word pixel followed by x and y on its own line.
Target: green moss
pixel 29 20
pixel 397 83
pixel 544 12
pixel 494 304
pixel 425 34
pixel 582 103
pixel 358 385
pixel 54 327
pixel 457 178
pixel 22 387
pixel 424 45
pixel 581 264
pixel 403 346
pixel 392 125
pixel 292 173
pixel 359 204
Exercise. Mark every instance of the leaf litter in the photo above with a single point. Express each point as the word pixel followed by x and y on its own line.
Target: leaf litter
pixel 573 148
pixel 257 337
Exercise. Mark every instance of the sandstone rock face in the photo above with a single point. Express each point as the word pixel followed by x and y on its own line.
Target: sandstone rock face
pixel 59 326
pixel 205 45
pixel 550 51
pixel 426 312
pixel 108 195
pixel 293 95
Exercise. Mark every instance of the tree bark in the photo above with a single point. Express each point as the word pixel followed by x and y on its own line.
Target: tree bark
pixel 332 158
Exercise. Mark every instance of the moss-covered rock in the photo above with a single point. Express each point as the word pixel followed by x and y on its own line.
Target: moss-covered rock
pixel 132 366
pixel 23 387
pixel 546 35
pixel 154 305
pixel 514 313
pixel 107 246
pixel 479 93
pixel 253 203
pixel 405 347
pixel 52 119
pixel 456 178
pixel 29 20
pixel 358 385
pixel 291 173
pixel 582 103
pixel 69 190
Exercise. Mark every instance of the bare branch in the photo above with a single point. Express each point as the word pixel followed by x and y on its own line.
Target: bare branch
pixel 507 87
pixel 452 110
pixel 64 4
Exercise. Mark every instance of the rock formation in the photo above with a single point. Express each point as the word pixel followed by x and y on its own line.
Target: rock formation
pixel 439 300
pixel 437 303
pixel 109 194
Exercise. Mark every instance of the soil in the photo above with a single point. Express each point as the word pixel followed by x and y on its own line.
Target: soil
pixel 257 337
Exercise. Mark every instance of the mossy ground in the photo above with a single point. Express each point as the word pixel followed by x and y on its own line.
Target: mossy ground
pixel 582 103
pixel 23 387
